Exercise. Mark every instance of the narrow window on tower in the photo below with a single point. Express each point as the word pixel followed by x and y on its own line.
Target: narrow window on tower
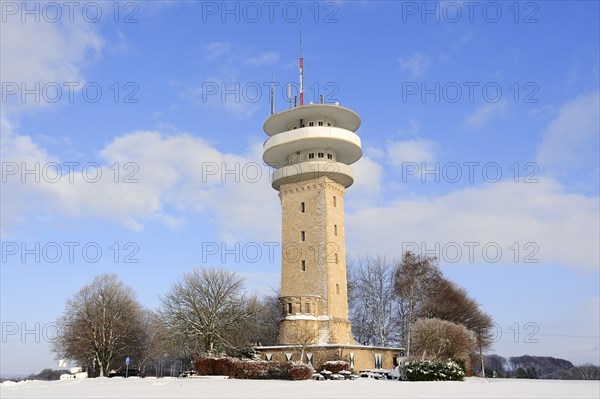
pixel 328 123
pixel 321 155
pixel 329 156
pixel 337 288
pixel 303 236
pixel 303 265
pixel 289 308
pixel 311 123
pixel 336 258
pixel 307 308
pixel 311 155
pixel 334 201
pixel 320 123
pixel 335 229
pixel 302 207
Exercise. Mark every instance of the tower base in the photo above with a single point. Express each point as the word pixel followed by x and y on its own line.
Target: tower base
pixel 359 357
pixel 310 331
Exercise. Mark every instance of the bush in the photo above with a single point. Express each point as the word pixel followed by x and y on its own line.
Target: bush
pixel 462 363
pixel 335 366
pixel 247 352
pixel 253 369
pixel 441 339
pixel 432 370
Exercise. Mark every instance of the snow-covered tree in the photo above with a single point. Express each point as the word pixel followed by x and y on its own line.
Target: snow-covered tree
pixel 266 323
pixel 415 278
pixel 208 310
pixel 441 339
pixel 373 305
pixel 102 325
pixel 453 303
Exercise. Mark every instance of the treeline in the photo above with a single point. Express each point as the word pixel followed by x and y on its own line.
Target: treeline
pixel 407 303
pixel 410 303
pixel 44 375
pixel 206 313
pixel 542 367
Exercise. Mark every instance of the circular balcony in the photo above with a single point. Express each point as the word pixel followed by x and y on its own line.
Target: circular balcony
pixel 344 143
pixel 341 116
pixel 336 171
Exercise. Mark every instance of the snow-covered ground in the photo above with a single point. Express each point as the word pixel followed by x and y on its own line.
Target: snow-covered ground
pixel 362 388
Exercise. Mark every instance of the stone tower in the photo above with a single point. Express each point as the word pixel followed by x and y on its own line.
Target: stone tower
pixel 310 147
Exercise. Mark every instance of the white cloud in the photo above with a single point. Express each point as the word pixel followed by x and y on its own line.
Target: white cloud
pixel 417 150
pixel 562 225
pixel 412 129
pixel 415 64
pixel 269 57
pixel 176 174
pixel 17 198
pixel 484 114
pixel 571 141
pixel 216 50
pixel 45 52
pixel 367 177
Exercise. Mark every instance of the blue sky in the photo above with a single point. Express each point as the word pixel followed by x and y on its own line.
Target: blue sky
pixel 480 131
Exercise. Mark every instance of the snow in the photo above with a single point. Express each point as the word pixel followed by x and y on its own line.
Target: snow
pixel 360 388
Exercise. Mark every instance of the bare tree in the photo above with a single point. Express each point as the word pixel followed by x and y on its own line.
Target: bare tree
pixel 209 309
pixel 373 304
pixel 102 325
pixel 496 365
pixel 415 278
pixel 265 328
pixel 441 339
pixel 304 336
pixel 587 371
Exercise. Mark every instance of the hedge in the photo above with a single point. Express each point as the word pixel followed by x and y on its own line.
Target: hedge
pixel 253 369
pixel 433 370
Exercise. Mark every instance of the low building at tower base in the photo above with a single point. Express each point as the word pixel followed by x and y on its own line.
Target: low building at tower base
pixel 359 357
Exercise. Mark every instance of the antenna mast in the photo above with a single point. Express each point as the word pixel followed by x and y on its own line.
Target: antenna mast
pixel 272 96
pixel 301 73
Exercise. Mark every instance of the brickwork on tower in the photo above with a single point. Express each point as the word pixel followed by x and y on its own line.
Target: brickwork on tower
pixel 314 293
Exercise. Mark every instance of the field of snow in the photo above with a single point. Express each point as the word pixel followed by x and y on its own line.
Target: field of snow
pixel 361 388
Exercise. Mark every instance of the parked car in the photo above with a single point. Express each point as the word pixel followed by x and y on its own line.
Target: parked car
pixel 187 374
pixel 128 373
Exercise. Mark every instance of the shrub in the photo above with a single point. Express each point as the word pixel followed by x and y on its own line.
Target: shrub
pixel 432 370
pixel 441 339
pixel 253 369
pixel 214 366
pixel 462 363
pixel 298 371
pixel 335 366
pixel 247 352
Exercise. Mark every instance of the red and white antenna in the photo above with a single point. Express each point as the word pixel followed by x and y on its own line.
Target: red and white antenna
pixel 301 73
pixel 272 95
